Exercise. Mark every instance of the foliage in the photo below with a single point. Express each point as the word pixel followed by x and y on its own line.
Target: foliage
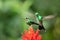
pixel 14 12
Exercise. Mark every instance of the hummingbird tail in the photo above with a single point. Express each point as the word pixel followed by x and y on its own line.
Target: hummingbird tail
pixel 41 27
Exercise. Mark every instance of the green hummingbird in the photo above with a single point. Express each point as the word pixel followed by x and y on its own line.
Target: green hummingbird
pixel 39 19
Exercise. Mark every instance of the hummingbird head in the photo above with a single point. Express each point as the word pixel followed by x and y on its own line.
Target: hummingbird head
pixel 27 20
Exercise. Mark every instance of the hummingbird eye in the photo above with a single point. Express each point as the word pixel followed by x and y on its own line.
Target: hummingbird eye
pixel 26 18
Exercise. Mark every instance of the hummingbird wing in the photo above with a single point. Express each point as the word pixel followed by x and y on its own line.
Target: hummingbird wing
pixel 48 17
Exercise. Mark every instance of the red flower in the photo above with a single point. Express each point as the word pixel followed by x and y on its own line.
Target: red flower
pixel 31 35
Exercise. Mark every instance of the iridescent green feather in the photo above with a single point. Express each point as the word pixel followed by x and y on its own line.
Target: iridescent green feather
pixel 38 16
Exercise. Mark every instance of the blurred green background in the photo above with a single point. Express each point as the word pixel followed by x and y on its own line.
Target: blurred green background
pixel 14 12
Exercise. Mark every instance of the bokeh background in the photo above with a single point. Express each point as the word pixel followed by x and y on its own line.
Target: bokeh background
pixel 14 12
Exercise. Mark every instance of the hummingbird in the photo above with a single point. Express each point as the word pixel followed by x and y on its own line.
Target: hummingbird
pixel 39 20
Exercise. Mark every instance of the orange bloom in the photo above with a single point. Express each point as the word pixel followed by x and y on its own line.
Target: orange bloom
pixel 31 35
